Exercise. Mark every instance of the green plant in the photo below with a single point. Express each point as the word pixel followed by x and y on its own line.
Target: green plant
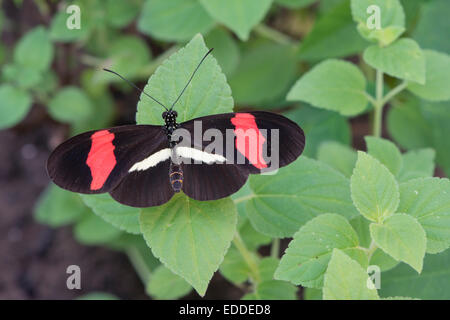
pixel 344 209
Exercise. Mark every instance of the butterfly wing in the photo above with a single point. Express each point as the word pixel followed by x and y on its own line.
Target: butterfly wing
pixel 252 142
pixel 97 161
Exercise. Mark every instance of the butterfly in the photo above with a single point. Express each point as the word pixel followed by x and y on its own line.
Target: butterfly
pixel 207 158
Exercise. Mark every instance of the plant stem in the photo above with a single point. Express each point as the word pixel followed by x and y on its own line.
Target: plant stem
pixel 378 116
pixel 139 264
pixel 273 34
pixel 395 91
pixel 249 259
pixel 371 249
pixel 275 249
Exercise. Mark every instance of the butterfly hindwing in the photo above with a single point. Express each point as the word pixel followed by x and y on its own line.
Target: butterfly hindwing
pixel 96 161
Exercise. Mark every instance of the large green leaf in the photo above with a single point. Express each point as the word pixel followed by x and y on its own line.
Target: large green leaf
pixel 92 230
pixel 402 237
pixel 123 217
pixel 165 285
pixel 345 279
pixel 386 152
pixel 174 20
pixel 283 202
pixel 333 35
pixel 428 200
pixel 70 104
pixel 264 74
pixel 333 85
pixel 14 105
pixel 437 78
pixel 432 283
pixel 338 156
pixel 34 50
pixel 240 16
pixel 306 260
pixel 402 59
pixel 320 125
pixel 190 237
pixel 417 164
pixel 207 94
pixel 374 189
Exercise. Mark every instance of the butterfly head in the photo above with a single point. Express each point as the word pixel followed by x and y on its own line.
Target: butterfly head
pixel 170 116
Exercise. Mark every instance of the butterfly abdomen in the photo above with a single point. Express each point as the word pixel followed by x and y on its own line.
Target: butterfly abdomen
pixel 176 177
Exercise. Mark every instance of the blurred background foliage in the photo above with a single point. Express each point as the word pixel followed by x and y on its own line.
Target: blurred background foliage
pixel 263 47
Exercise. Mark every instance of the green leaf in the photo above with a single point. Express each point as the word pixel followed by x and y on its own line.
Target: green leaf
pixel 14 105
pixel 306 259
pixel 312 294
pixel 403 238
pixel 437 78
pixel 283 202
pixel 58 26
pixel 34 50
pixel 345 279
pixel 207 94
pixel 234 268
pixel 174 20
pixel 97 296
pixel 382 260
pixel 264 74
pixel 433 19
pixel 239 16
pixel 386 152
pixel 339 156
pixel 402 59
pixel 433 283
pixel 92 230
pixel 417 164
pixel 165 285
pixel 374 189
pixel 361 226
pixel 226 50
pixel 320 125
pixel 333 85
pixel 120 13
pixel 267 267
pixel 294 4
pixel 273 290
pixel 392 19
pixel 333 36
pixel 57 207
pixel 190 237
pixel 120 216
pixel 252 238
pixel 428 200
pixel 24 77
pixel 70 104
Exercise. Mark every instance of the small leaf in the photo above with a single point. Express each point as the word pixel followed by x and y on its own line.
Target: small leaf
pixel 373 188
pixel 428 200
pixel 386 152
pixel 345 279
pixel 267 267
pixel 34 50
pixel 402 59
pixel 320 125
pixel 234 268
pixel 333 85
pixel 239 16
pixel 402 237
pixel 92 230
pixel 252 238
pixel 165 285
pixel 338 156
pixel 57 207
pixel 273 290
pixel 382 260
pixel 417 164
pixel 70 104
pixel 437 78
pixel 24 77
pixel 14 105
pixel 190 237
pixel 58 27
pixel 207 94
pixel 174 20
pixel 120 13
pixel 283 202
pixel 264 74
pixel 122 217
pixel 306 259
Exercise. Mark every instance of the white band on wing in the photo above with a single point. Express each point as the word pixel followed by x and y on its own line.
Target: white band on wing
pixel 195 154
pixel 152 160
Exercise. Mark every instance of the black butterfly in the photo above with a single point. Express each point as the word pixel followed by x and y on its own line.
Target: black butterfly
pixel 144 165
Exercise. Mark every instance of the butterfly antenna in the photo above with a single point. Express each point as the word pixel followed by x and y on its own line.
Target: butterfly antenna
pixel 136 87
pixel 192 76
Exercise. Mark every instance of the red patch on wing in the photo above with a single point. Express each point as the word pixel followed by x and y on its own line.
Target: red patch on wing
pixel 101 159
pixel 249 140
